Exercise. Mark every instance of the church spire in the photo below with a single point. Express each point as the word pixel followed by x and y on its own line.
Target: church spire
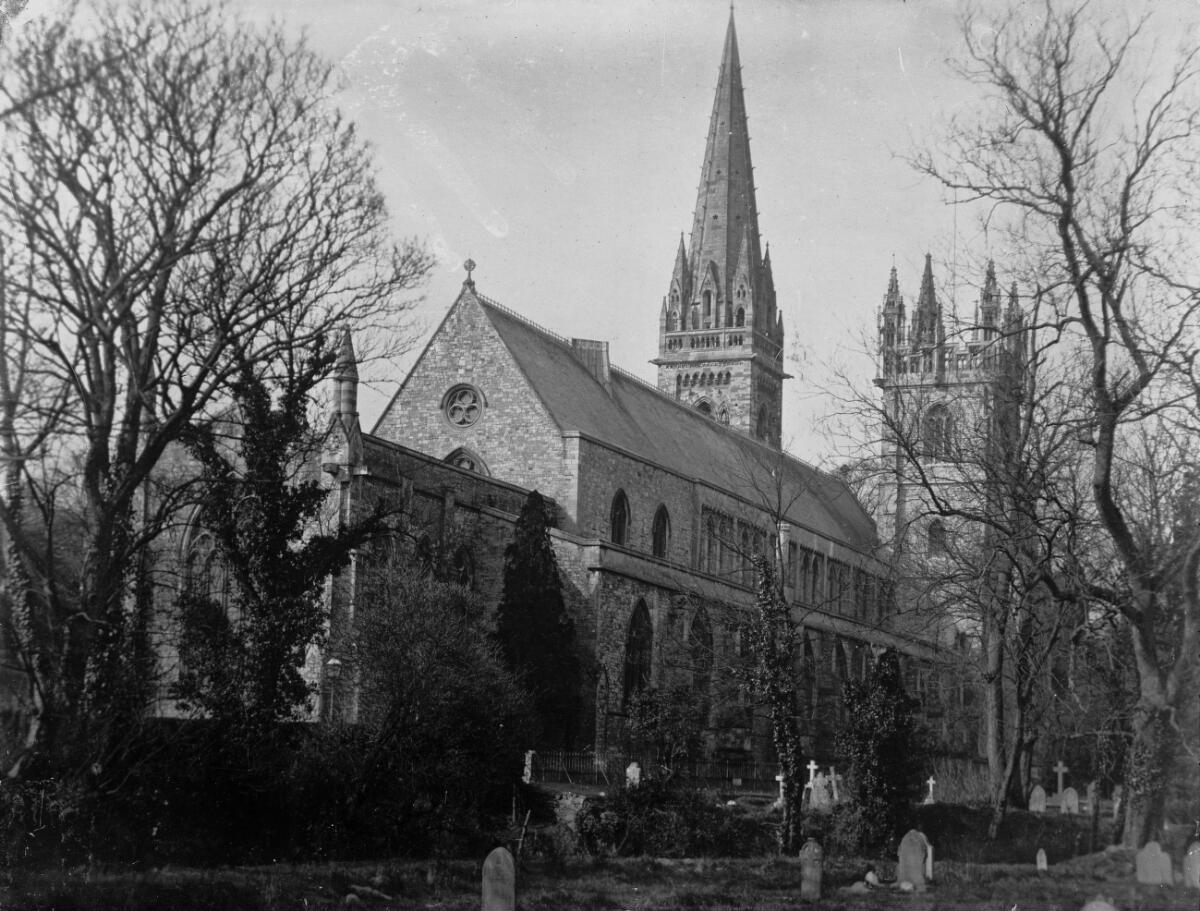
pixel 720 346
pixel 726 212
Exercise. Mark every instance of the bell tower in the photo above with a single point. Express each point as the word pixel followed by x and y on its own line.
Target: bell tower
pixel 720 337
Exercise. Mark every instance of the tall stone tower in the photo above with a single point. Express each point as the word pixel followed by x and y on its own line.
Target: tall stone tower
pixel 720 336
pixel 950 393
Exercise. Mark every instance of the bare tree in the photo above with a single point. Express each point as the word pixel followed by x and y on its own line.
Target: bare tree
pixel 199 205
pixel 1088 151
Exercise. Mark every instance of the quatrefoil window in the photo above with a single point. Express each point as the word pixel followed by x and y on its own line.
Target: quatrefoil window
pixel 463 405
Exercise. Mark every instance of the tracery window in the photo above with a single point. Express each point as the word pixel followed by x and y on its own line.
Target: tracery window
pixel 207 573
pixel 462 405
pixel 468 461
pixel 739 318
pixel 937 433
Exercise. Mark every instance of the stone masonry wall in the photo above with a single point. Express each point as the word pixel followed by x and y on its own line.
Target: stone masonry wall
pixel 515 436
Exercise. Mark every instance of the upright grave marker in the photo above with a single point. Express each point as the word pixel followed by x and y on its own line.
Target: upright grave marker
pixel 911 860
pixel 499 881
pixel 1037 799
pixel 1191 866
pixel 810 871
pixel 1069 802
pixel 1060 770
pixel 1154 866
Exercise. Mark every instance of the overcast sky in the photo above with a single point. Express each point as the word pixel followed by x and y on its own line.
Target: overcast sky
pixel 558 143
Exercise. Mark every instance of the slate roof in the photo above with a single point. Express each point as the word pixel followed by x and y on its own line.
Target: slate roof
pixel 636 417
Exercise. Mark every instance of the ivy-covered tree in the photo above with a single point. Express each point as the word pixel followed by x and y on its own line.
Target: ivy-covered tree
pixel 243 657
pixel 881 746
pixel 535 633
pixel 772 678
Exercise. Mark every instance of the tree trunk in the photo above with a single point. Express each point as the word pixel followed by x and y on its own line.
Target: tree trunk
pixel 993 699
pixel 1146 775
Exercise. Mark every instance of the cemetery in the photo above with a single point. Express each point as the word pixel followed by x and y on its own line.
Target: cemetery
pixel 654 840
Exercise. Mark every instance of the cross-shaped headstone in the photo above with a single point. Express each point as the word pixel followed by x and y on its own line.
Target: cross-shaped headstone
pixel 812 770
pixel 1060 770
pixel 779 778
pixel 931 782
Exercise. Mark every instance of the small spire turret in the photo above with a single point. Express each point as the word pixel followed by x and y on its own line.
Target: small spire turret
pixel 989 305
pixel 345 375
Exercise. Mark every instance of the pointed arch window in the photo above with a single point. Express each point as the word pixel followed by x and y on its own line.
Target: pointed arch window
pixel 760 426
pixel 464 567
pixel 723 414
pixel 672 320
pixel 468 461
pixel 695 316
pixel 739 318
pixel 937 433
pixel 618 519
pixel 936 539
pixel 423 555
pixel 700 649
pixel 639 649
pixel 207 574
pixel 704 406
pixel 808 679
pixel 661 534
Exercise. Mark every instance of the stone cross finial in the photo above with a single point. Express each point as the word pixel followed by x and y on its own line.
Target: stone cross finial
pixel 812 769
pixel 1060 770
pixel 469 265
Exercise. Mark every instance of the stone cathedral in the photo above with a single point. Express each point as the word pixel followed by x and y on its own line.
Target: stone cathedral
pixel 662 493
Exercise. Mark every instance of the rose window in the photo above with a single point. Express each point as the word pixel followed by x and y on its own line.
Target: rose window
pixel 463 406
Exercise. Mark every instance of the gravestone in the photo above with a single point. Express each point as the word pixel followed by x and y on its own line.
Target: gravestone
pixel 499 882
pixel 810 871
pixel 931 782
pixel 1069 802
pixel 1041 860
pixel 1099 903
pixel 1037 799
pixel 820 799
pixel 527 775
pixel 633 775
pixel 928 858
pixel 1154 866
pixel 1118 793
pixel 1191 866
pixel 1093 796
pixel 911 860
pixel 834 778
pixel 779 799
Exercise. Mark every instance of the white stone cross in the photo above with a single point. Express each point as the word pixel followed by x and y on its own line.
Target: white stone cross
pixel 931 782
pixel 1060 770
pixel 812 770
pixel 779 778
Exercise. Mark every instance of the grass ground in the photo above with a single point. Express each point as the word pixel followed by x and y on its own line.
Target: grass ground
pixel 635 884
